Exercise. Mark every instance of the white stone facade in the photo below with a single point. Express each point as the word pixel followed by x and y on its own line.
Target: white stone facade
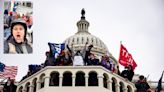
pixel 43 76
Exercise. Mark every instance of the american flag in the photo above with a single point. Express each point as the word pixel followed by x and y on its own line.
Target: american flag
pixel 9 71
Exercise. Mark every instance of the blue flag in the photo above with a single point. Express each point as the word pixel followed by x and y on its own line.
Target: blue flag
pixel 2 66
pixel 56 49
pixel 159 87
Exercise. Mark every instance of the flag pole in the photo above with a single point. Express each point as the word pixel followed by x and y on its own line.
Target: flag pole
pixel 147 77
pixel 119 54
pixel 120 42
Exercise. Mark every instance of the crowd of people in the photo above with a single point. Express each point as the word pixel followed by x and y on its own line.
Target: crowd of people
pixel 18 37
pixel 69 57
pixel 86 58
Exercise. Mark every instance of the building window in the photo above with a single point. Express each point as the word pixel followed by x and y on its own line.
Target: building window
pixel 113 85
pixel 42 84
pixel 29 4
pixel 67 79
pixel 121 87
pixel 77 40
pixel 82 40
pixel 105 80
pixel 87 39
pixel 73 40
pixel 23 4
pixel 20 89
pixel 34 83
pixel 41 79
pixel 80 79
pixel 54 80
pixel 129 89
pixel 27 87
pixel 92 80
pixel 92 40
pixel 17 3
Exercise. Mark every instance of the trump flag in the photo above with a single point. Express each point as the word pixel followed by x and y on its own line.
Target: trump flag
pixel 126 58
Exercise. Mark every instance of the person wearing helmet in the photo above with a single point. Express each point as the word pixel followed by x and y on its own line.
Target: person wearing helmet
pixel 17 42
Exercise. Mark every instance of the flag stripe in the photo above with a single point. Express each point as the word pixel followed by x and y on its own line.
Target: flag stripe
pixel 9 71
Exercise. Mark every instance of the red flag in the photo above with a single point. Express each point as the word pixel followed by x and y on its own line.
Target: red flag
pixel 126 58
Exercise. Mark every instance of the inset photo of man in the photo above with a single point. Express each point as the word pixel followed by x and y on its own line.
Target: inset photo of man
pixel 18 27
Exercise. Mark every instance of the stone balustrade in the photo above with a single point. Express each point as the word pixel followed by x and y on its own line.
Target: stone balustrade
pixel 75 78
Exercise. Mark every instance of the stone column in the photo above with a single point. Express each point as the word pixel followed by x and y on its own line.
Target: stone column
pixel 117 86
pixel 86 80
pixel 31 88
pixel 46 81
pixel 38 85
pixel 60 80
pixel 100 81
pixel 125 90
pixel 109 84
pixel 24 90
pixel 73 80
pixel 134 89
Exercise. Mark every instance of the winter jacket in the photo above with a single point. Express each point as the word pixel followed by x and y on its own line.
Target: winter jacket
pixel 142 86
pixel 11 46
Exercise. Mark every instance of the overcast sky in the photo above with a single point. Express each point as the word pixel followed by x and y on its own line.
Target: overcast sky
pixel 139 24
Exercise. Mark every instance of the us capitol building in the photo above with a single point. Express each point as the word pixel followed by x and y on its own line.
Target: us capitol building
pixel 67 78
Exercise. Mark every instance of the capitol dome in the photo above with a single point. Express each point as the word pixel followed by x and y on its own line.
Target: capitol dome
pixel 82 36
